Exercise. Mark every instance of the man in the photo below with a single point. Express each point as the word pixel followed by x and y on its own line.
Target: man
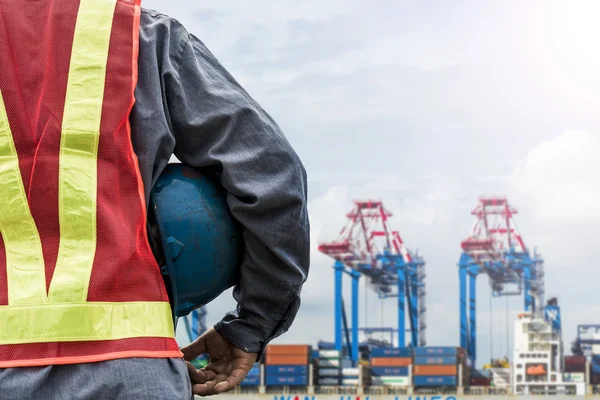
pixel 52 190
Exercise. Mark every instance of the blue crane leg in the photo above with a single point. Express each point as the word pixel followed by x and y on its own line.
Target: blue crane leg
pixel 415 327
pixel 464 331
pixel 355 277
pixel 413 304
pixel 527 288
pixel 472 316
pixel 339 271
pixel 401 326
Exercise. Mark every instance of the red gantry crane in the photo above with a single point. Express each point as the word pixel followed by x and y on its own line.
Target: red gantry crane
pixel 368 246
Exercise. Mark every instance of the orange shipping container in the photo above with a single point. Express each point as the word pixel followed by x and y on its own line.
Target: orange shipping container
pixel 391 361
pixel 434 370
pixel 278 359
pixel 288 349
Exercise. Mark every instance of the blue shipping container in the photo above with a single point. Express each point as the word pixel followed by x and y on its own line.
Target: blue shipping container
pixel 436 351
pixel 286 370
pixel 254 371
pixel 595 367
pixel 435 360
pixel 435 380
pixel 323 345
pixel 251 381
pixel 391 352
pixel 315 354
pixel 286 380
pixel 389 371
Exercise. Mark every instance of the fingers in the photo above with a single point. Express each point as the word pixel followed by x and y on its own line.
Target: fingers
pixel 218 383
pixel 194 349
pixel 208 388
pixel 199 375
pixel 235 378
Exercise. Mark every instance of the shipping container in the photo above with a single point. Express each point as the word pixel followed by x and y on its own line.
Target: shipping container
pixel 328 354
pixel 254 371
pixel 323 345
pixel 449 360
pixel 391 352
pixel 435 370
pixel 390 381
pixel 574 367
pixel 251 381
pixel 595 379
pixel 329 372
pixel 436 351
pixel 350 372
pixel 328 363
pixel 288 350
pixel 389 371
pixel 286 380
pixel 575 360
pixel 285 360
pixel 435 380
pixel 350 382
pixel 596 349
pixel 479 381
pixel 286 370
pixel 328 382
pixel 574 377
pixel 391 362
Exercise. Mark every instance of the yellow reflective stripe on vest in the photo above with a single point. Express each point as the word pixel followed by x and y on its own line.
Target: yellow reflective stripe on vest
pixel 65 315
pixel 24 257
pixel 79 152
pixel 84 322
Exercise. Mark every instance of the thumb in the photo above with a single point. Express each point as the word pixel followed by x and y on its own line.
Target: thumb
pixel 194 349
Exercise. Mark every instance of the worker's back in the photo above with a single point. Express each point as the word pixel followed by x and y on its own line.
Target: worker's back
pixel 183 96
pixel 79 282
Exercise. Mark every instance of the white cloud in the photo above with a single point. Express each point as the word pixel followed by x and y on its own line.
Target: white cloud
pixel 559 179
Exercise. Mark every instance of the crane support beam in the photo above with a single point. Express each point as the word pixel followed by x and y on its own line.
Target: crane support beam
pixel 401 308
pixel 355 277
pixel 339 274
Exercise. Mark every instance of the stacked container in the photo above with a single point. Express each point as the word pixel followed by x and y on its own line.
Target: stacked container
pixel 595 367
pixel 287 365
pixel 390 366
pixel 328 367
pixel 574 369
pixel 436 366
pixel 350 374
pixel 253 377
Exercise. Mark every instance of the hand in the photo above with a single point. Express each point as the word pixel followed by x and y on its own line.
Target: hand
pixel 227 367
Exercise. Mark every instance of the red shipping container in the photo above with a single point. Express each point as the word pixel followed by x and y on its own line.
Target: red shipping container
pixel 575 360
pixel 480 381
pixel 391 361
pixel 434 370
pixel 278 359
pixel 287 350
pixel 574 367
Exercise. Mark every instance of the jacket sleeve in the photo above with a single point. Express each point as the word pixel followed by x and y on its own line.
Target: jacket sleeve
pixel 217 125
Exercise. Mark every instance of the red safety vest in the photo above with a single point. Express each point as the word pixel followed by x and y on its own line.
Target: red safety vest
pixel 78 280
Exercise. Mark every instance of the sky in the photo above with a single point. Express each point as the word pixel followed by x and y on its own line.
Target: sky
pixel 426 106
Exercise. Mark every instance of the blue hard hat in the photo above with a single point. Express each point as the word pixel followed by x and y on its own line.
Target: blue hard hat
pixel 195 239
